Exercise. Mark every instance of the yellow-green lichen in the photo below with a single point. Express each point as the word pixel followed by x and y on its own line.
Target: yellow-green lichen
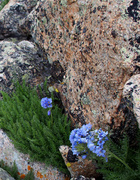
pixel 63 3
pixel 68 164
pixel 44 20
pixel 82 9
pixel 137 99
pixel 85 99
pixel 9 50
pixel 126 55
pixel 25 77
pixel 50 60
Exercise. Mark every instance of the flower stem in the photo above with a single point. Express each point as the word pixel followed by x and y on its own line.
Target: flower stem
pixel 120 160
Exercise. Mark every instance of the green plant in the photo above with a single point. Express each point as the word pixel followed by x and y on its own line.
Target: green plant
pixel 3 3
pixel 123 162
pixel 13 171
pixel 115 161
pixel 30 128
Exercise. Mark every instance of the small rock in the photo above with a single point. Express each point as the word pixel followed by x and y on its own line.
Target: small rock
pixel 4 175
pixel 82 178
pixel 132 92
pixel 78 167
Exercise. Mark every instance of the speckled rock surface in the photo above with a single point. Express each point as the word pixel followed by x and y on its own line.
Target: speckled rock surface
pixel 4 175
pixel 21 59
pixel 9 154
pixel 96 43
pixel 12 14
pixel 82 178
pixel 76 165
pixel 131 91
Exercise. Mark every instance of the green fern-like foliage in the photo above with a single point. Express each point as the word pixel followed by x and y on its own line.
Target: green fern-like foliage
pixel 29 127
pixel 3 3
pixel 124 162
pixel 13 171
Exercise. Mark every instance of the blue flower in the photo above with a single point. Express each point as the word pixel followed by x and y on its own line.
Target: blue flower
pixel 84 156
pixel 106 159
pixel 85 128
pixel 46 102
pixel 49 112
pixel 101 152
pixel 91 136
pixel 91 146
pixel 100 143
pixel 94 140
pixel 83 140
pixel 72 135
pixel 102 134
pixel 75 152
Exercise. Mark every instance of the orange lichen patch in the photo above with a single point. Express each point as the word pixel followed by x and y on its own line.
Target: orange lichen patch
pixel 39 174
pixel 22 176
pixel 6 158
pixel 29 168
pixel 45 175
pixel 18 173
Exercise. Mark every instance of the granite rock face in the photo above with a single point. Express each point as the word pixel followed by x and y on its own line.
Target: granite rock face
pixel 97 45
pixel 4 175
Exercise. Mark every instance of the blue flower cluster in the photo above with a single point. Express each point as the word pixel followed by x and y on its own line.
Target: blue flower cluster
pixel 46 103
pixel 94 141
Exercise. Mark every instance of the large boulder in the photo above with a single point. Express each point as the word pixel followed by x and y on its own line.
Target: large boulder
pixel 96 43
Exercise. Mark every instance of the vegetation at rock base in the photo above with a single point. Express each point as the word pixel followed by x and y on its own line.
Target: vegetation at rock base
pixel 124 163
pixel 116 160
pixel 13 171
pixel 3 3
pixel 30 128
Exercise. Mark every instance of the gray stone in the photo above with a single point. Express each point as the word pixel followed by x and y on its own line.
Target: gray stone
pixel 21 60
pixel 78 166
pixel 12 14
pixel 82 178
pixel 132 92
pixel 9 155
pixel 9 19
pixel 4 175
